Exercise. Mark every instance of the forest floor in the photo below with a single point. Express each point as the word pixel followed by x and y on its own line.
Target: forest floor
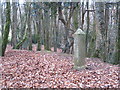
pixel 35 69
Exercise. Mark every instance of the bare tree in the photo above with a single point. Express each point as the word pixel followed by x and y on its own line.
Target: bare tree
pixel 29 26
pixel 14 24
pixel 66 21
pixel 101 30
pixel 7 29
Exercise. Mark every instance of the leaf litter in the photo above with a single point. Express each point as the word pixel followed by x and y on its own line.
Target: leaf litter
pixel 32 69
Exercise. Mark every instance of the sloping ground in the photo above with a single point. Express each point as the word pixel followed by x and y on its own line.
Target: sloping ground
pixel 31 69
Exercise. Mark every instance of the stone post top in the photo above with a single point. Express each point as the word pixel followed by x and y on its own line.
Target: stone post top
pixel 79 31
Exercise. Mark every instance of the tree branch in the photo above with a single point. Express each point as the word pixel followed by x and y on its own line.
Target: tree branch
pixel 61 14
pixel 72 8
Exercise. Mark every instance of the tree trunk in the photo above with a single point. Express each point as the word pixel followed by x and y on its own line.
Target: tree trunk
pixel 2 18
pixel 46 28
pixel 37 26
pixel 118 44
pixel 66 21
pixel 79 15
pixel 75 19
pixel 55 34
pixel 39 36
pixel 107 23
pixel 7 28
pixel 112 35
pixel 19 44
pixel 29 26
pixel 101 32
pixel 23 27
pixel 83 14
pixel 87 31
pixel 14 24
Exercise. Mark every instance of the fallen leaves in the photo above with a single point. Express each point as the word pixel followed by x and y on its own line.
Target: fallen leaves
pixel 30 69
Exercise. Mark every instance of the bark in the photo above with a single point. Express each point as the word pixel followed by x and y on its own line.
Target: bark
pixel 93 38
pixel 22 41
pixel 14 24
pixel 46 28
pixel 106 44
pixel 54 26
pixel 34 36
pixel 79 15
pixel 118 44
pixel 83 14
pixel 39 29
pixel 23 21
pixel 2 18
pixel 26 27
pixel 29 27
pixel 66 22
pixel 112 35
pixel 101 35
pixel 22 31
pixel 23 24
pixel 75 19
pixel 7 29
pixel 37 26
pixel 63 20
pixel 19 44
pixel 107 23
pixel 87 31
pixel 55 35
pixel 61 14
pixel 39 36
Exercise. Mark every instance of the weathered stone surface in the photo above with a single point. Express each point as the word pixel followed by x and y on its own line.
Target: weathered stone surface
pixel 79 49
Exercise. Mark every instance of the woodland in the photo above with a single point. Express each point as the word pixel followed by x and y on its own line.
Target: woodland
pixel 59 44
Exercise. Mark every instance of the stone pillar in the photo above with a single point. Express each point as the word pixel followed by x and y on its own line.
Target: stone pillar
pixel 79 49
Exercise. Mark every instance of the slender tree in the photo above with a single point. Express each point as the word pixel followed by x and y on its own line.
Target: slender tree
pixel 39 16
pixel 83 15
pixel 87 31
pixel 46 22
pixel 54 24
pixel 66 22
pixel 14 24
pixel 29 26
pixel 101 34
pixel 7 29
pixel 117 61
